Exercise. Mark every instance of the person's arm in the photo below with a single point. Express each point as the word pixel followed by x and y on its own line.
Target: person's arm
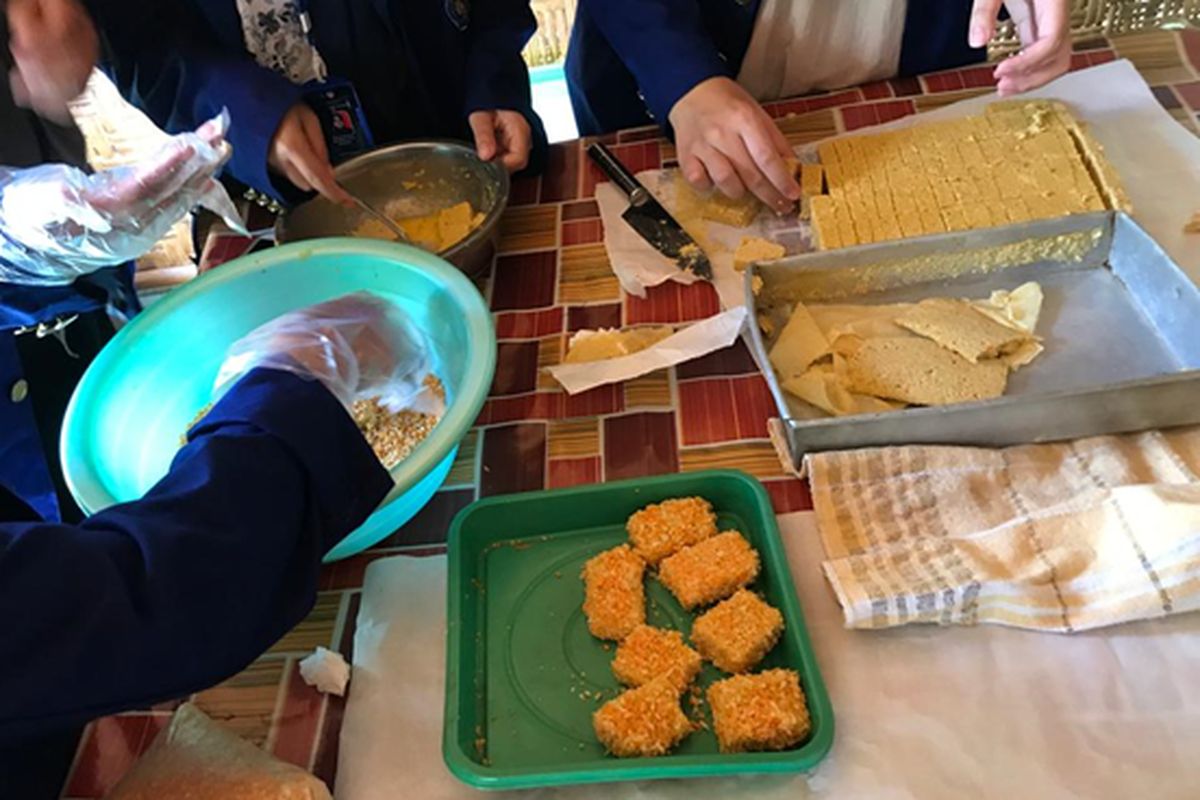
pixel 663 43
pixel 170 594
pixel 163 59
pixel 498 102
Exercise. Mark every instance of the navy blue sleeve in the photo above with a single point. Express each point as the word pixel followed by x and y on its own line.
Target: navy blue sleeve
pixel 165 60
pixel 172 593
pixel 663 43
pixel 497 77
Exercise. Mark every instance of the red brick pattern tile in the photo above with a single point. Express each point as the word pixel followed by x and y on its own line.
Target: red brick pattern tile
pixel 1101 57
pixel 1190 92
pixel 539 406
pixel 607 315
pixel 524 191
pixel 905 87
pixel 636 157
pixel 348 573
pixel 432 523
pixel 717 410
pixel 788 495
pixel 640 444
pixel 296 724
pixel 639 134
pixel 861 116
pixel 529 324
pixel 1191 46
pixel 514 459
pixel 573 472
pixel 583 209
pixel 110 747
pixel 516 368
pixel 880 90
pixel 732 360
pixel 672 302
pixel 526 280
pixel 325 760
pixel 609 399
pixel 584 231
pixel 944 81
pixel 560 179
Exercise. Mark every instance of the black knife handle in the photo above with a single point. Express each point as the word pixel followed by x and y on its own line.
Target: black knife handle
pixel 613 168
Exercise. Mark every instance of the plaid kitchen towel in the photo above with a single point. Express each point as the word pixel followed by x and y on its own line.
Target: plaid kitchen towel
pixel 1054 537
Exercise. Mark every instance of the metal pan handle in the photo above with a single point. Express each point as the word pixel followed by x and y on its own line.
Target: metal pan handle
pixel 613 168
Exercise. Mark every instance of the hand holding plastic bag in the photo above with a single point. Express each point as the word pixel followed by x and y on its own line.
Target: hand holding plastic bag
pixel 360 346
pixel 58 222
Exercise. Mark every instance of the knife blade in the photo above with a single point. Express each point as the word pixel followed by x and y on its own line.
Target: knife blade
pixel 649 219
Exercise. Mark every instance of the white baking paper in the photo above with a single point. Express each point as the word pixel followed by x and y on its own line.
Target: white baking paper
pixel 698 339
pixel 920 712
pixel 1157 158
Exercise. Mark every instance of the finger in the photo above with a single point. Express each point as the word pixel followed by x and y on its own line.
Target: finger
pixel 311 126
pixel 770 164
pixel 296 177
pixel 483 127
pixel 722 172
pixel 518 140
pixel 752 177
pixel 695 173
pixel 983 22
pixel 315 173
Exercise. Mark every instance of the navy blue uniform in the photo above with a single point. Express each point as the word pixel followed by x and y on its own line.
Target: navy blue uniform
pixel 629 61
pixel 170 594
pixel 419 68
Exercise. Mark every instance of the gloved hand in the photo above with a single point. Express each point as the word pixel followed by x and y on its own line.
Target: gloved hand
pixel 58 222
pixel 359 346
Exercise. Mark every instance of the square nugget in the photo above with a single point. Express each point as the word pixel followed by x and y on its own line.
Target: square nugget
pixel 662 529
pixel 709 571
pixel 646 721
pixel 759 712
pixel 736 633
pixel 648 653
pixel 614 597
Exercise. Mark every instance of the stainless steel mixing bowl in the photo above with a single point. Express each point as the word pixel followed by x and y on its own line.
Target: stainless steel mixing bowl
pixel 409 179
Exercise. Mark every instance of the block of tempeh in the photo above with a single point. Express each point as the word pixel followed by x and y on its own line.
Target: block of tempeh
pixel 736 633
pixel 648 653
pixel 646 721
pixel 660 529
pixel 710 571
pixel 614 596
pixel 1018 161
pixel 759 712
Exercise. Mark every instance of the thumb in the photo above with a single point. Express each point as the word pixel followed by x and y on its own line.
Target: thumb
pixel 483 126
pixel 983 21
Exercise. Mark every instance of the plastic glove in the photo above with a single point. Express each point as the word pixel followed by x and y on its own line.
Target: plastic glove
pixel 58 222
pixel 359 346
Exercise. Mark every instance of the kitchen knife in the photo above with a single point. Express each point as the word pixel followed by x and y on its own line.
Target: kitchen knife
pixel 647 216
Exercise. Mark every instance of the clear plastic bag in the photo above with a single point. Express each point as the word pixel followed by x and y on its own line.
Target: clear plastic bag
pixel 359 345
pixel 57 222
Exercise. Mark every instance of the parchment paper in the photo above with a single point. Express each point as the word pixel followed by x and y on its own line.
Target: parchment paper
pixel 920 712
pixel 697 339
pixel 1157 158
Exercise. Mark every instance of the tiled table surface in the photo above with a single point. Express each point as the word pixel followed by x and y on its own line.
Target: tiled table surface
pixel 551 278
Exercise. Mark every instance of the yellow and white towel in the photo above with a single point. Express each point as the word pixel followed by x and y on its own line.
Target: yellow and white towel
pixel 1055 537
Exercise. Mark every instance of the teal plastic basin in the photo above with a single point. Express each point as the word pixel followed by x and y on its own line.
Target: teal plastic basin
pixel 124 421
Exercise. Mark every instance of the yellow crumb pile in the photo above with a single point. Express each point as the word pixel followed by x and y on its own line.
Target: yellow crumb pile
pixel 435 232
pixel 646 721
pixel 736 633
pixel 662 529
pixel 648 653
pixel 759 712
pixel 614 597
pixel 1018 161
pixel 605 343
pixel 709 571
pixel 393 435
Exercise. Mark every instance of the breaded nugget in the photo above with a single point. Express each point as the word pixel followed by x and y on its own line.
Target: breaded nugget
pixel 614 597
pixel 648 653
pixel 759 712
pixel 736 633
pixel 646 721
pixel 662 529
pixel 709 571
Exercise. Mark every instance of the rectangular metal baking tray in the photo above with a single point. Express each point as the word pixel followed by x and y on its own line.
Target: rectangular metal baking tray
pixel 1120 324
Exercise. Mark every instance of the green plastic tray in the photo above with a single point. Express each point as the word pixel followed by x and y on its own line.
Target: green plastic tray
pixel 523 675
